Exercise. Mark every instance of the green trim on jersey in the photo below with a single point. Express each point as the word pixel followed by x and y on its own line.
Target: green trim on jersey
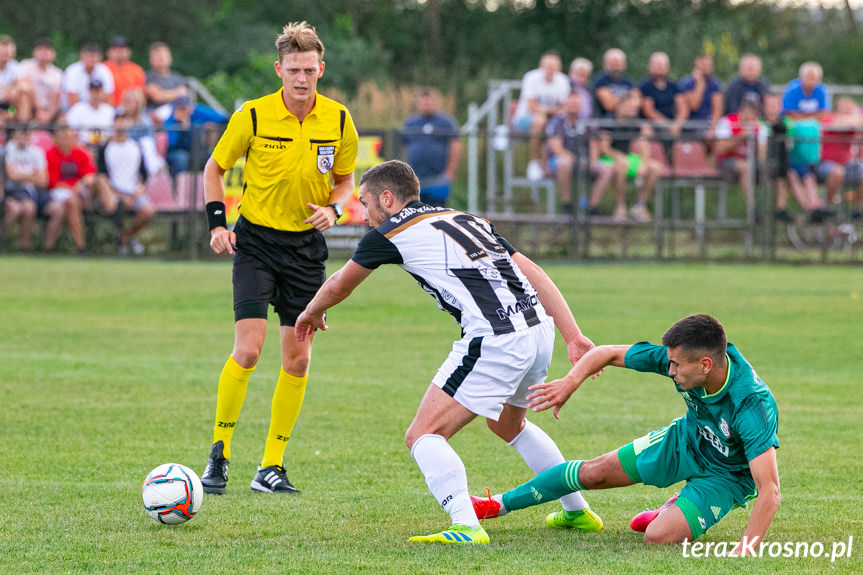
pixel 727 378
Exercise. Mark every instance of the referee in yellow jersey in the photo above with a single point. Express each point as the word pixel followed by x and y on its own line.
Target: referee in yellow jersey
pixel 301 151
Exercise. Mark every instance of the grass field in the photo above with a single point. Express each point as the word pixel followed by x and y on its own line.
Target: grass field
pixel 109 368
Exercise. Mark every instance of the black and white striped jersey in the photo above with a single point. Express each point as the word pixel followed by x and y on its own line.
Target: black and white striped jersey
pixel 461 262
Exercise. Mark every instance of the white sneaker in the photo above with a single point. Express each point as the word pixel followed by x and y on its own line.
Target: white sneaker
pixel 619 214
pixel 639 213
pixel 136 246
pixel 534 171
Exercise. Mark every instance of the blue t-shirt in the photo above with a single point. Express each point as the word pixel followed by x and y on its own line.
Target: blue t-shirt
pixel 704 111
pixel 663 100
pixel 619 87
pixel 180 139
pixel 795 100
pixel 427 139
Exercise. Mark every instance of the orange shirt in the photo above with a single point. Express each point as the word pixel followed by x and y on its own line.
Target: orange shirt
pixel 128 76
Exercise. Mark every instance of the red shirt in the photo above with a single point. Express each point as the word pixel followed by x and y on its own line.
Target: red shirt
pixel 68 169
pixel 128 76
pixel 836 144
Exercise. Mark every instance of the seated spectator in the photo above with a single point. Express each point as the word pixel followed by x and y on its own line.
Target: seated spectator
pixel 127 74
pixel 579 81
pixel 11 96
pixel 186 126
pixel 163 86
pixel 614 146
pixel 805 96
pixel 92 118
pixel 124 185
pixel 611 86
pixel 71 178
pixel 432 148
pixel 142 131
pixel 77 77
pixel 45 79
pixel 732 145
pixel 26 178
pixel 661 100
pixel 748 85
pixel 543 92
pixel 838 166
pixel 702 92
pixel 572 143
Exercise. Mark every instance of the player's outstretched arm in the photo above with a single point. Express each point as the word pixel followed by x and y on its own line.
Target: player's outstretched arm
pixel 335 290
pixel 577 344
pixel 556 393
pixel 765 473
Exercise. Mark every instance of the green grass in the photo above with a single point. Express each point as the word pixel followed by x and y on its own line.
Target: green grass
pixel 109 368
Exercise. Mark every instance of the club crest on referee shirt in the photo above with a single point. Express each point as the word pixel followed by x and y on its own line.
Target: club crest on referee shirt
pixel 326 156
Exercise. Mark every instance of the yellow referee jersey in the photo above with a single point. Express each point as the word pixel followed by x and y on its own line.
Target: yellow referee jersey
pixel 288 162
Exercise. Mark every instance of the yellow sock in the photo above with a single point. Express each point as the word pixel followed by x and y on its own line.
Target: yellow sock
pixel 229 401
pixel 287 401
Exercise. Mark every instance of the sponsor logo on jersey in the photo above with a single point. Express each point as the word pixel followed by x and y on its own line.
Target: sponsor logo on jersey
pixel 326 157
pixel 408 212
pixel 276 146
pixel 723 427
pixel 713 439
pixel 520 306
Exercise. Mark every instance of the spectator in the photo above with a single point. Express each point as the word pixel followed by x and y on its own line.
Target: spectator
pixel 748 85
pixel 11 93
pixel 661 100
pixel 124 185
pixel 26 177
pixel 142 130
pixel 184 127
pixel 805 96
pixel 572 143
pixel 777 155
pixel 702 92
pixel 615 144
pixel 838 166
pixel 732 145
pixel 163 86
pixel 92 118
pixel 543 92
pixel 579 81
pixel 432 148
pixel 46 81
pixel 612 85
pixel 77 77
pixel 127 74
pixel 71 177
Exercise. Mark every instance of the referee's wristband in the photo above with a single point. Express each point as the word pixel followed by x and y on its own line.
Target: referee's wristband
pixel 216 215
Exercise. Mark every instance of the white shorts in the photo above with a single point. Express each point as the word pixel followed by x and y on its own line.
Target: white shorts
pixel 484 373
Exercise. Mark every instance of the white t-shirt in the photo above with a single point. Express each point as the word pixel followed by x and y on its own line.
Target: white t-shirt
pixel 8 75
pixel 26 161
pixel 77 80
pixel 546 94
pixel 123 162
pixel 46 83
pixel 92 122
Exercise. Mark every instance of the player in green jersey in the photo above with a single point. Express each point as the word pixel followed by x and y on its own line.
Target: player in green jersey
pixel 724 447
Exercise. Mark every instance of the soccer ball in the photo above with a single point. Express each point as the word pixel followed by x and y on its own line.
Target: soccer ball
pixel 172 494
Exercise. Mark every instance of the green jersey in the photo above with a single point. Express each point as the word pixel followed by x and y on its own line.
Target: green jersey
pixel 730 427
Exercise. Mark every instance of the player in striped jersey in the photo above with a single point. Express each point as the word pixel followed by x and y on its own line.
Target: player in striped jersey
pixel 507 308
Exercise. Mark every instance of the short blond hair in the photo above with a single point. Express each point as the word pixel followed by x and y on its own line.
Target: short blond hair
pixel 299 37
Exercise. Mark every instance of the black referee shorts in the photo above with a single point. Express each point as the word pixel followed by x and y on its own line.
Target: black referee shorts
pixel 276 267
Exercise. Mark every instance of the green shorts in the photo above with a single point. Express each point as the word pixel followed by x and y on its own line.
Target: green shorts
pixel 666 456
pixel 633 162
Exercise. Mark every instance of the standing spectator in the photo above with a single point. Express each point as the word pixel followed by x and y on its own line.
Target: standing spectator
pixel 571 143
pixel 93 118
pixel 612 85
pixel 26 176
pixel 702 92
pixel 71 178
pixel 11 93
pixel 579 79
pixel 543 92
pixel 748 85
pixel 77 77
pixel 432 148
pixel 186 126
pixel 615 145
pixel 661 100
pixel 163 86
pixel 806 97
pixel 733 133
pixel 46 80
pixel 777 155
pixel 124 185
pixel 127 74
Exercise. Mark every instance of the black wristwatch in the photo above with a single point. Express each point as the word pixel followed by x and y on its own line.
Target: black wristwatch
pixel 338 211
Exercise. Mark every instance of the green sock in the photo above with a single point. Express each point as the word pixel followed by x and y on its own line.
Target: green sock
pixel 549 485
